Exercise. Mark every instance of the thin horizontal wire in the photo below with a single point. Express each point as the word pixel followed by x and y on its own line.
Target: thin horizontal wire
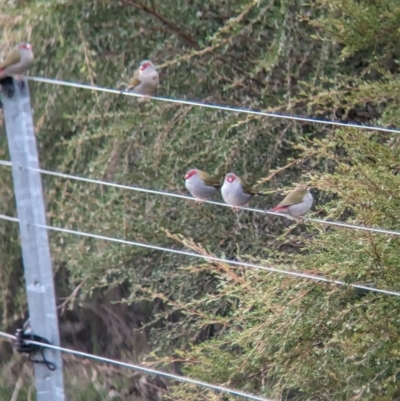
pixel 215 259
pixel 213 106
pixel 9 218
pixel 10 336
pixel 210 258
pixel 142 369
pixel 170 194
pixel 5 163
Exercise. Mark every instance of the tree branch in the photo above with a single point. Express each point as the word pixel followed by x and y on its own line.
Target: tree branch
pixel 171 27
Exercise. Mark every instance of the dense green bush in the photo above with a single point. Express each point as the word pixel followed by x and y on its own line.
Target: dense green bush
pixel 260 332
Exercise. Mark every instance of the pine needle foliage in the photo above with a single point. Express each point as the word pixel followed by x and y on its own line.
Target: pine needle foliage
pixel 260 332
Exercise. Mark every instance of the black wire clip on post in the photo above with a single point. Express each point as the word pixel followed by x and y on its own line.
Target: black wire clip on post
pixel 32 349
pixel 7 88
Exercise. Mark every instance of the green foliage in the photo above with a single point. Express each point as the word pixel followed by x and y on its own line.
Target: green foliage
pixel 259 332
pixel 300 339
pixel 371 27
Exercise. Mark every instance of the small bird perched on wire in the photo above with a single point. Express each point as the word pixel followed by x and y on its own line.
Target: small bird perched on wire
pixel 296 204
pixel 17 61
pixel 236 192
pixel 201 185
pixel 145 79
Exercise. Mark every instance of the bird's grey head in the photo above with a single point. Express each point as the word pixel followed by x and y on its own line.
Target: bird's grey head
pixel 25 46
pixel 145 64
pixel 190 173
pixel 230 178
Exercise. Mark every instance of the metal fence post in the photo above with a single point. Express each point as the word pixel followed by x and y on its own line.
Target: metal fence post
pixel 34 240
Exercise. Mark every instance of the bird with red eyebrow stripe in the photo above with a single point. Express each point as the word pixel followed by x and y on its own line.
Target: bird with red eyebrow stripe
pixel 201 185
pixel 17 61
pixel 296 203
pixel 236 192
pixel 145 79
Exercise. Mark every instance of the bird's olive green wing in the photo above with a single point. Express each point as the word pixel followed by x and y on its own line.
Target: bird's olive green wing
pixel 12 58
pixel 215 182
pixel 247 188
pixel 134 81
pixel 294 197
pixel 210 180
